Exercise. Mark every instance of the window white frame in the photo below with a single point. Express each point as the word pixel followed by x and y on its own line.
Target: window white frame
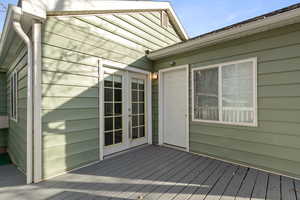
pixel 219 66
pixel 14 95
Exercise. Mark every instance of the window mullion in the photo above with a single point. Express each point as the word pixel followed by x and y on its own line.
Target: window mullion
pixel 220 94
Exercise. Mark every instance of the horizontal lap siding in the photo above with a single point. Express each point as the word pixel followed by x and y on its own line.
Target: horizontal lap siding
pixel 274 144
pixel 71 49
pixel 3 137
pixel 3 108
pixel 17 131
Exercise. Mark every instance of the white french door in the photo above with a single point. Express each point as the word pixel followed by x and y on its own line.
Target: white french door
pixel 124 110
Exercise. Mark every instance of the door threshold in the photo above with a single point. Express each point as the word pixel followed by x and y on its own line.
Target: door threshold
pixel 174 147
pixel 125 151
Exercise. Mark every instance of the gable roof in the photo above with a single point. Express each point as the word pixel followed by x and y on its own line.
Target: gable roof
pixel 40 9
pixel 272 20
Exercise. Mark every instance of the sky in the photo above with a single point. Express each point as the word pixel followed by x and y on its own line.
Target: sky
pixel 202 16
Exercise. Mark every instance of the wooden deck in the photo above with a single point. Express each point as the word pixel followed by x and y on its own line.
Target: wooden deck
pixel 159 173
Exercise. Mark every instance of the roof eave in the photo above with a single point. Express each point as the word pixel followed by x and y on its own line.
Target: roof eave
pixel 7 33
pixel 273 22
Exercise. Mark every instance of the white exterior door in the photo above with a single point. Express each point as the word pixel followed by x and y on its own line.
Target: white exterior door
pixel 175 107
pixel 124 110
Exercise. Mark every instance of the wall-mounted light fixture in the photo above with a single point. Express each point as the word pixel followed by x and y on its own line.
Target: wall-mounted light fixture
pixel 173 63
pixel 154 76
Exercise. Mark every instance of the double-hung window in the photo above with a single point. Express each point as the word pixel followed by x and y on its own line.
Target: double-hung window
pixel 13 95
pixel 226 93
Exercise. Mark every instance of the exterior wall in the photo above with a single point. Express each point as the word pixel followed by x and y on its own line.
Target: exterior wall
pixel 71 49
pixel 16 139
pixel 274 144
pixel 3 110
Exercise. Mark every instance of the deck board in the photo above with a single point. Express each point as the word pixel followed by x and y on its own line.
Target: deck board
pixel 274 189
pixel 154 173
pixel 260 188
pixel 287 189
pixel 245 192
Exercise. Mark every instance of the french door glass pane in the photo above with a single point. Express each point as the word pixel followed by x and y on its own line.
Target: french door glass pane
pixel 113 121
pixel 108 80
pixel 118 81
pixel 108 109
pixel 134 96
pixel 109 140
pixel 138 108
pixel 142 131
pixel 108 124
pixel 237 98
pixel 118 95
pixel 135 133
pixel 118 108
pixel 108 94
pixel 118 137
pixel 206 90
pixel 135 108
pixel 118 123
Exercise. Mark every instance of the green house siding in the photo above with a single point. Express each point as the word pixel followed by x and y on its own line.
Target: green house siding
pixel 274 144
pixel 3 108
pixel 16 138
pixel 71 48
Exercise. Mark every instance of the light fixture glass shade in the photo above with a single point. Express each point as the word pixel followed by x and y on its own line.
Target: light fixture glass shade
pixel 154 76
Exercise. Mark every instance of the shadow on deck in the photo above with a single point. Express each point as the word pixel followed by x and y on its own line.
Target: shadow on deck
pixel 157 173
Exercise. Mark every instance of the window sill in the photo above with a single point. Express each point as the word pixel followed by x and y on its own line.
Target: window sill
pixel 255 124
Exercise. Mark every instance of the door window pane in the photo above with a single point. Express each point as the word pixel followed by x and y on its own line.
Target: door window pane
pixel 118 123
pixel 142 131
pixel 141 108
pixel 118 95
pixel 135 108
pixel 141 85
pixel 108 109
pixel 141 120
pixel 134 96
pixel 135 133
pixel 135 121
pixel 108 94
pixel 206 90
pixel 109 138
pixel 108 124
pixel 134 84
pixel 141 96
pixel 118 81
pixel 108 80
pixel 118 108
pixel 118 137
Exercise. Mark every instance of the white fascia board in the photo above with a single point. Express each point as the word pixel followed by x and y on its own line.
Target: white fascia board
pixel 277 21
pixel 34 8
pixel 176 22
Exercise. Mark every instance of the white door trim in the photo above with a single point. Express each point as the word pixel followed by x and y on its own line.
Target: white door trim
pixel 112 64
pixel 161 105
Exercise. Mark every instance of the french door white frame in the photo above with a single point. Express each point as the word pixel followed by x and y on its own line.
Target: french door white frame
pixel 161 105
pixel 148 117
